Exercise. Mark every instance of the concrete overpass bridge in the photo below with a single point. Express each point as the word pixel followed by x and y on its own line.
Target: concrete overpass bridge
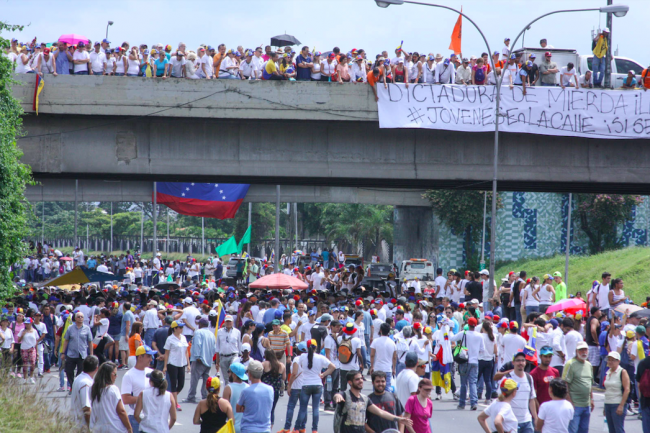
pixel 296 134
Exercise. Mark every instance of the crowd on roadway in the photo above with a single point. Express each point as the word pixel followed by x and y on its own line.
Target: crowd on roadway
pixel 355 66
pixel 522 347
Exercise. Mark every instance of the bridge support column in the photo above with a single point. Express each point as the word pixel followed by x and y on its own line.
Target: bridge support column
pixel 415 234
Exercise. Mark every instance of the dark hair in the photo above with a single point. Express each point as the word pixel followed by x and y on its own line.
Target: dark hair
pixel 136 328
pixel 558 387
pixel 376 374
pixel 310 356
pixel 384 329
pixel 269 355
pixel 593 310
pixel 605 275
pixel 568 322
pixel 90 364
pixel 103 378
pixel 424 382
pixel 487 327
pixel 540 322
pixel 522 275
pixel 158 379
pixel 570 65
pixel 259 330
pixel 351 375
pixel 615 281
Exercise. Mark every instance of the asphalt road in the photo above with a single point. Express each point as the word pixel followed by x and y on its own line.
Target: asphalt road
pixel 445 415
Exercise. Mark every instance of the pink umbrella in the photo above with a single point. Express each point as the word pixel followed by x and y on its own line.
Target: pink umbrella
pixel 568 304
pixel 278 282
pixel 73 39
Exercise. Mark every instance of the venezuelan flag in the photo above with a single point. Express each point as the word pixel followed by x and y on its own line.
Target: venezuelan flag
pixel 221 314
pixel 38 88
pixel 400 46
pixel 441 373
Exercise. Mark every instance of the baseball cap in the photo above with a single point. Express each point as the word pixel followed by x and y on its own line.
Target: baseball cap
pixel 548 54
pixel 169 320
pixel 411 359
pixel 245 347
pixel 472 322
pixel 629 334
pixel 176 324
pixel 614 355
pixel 606 30
pixel 326 317
pixel 529 64
pixel 106 41
pixel 276 322
pixel 583 345
pixel 484 272
pixel 532 56
pixel 302 346
pixel 187 300
pixel 557 274
pixel 145 350
pixel 228 318
pixel 508 385
pixel 640 329
pixel 213 313
pixel 546 350
pixel 255 366
pixel 513 56
pixel 239 370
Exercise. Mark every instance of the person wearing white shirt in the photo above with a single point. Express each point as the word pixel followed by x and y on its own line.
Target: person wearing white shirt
pixel 445 73
pixel 524 403
pixel 383 354
pixel 97 61
pixel 258 63
pixel 571 337
pixel 406 382
pixel 135 381
pixel 358 71
pixel 228 346
pixel 347 333
pixel 188 317
pixel 248 68
pixel 439 283
pixel 317 278
pixel 80 405
pixel 555 415
pixel 505 51
pixel 331 346
pixel 469 371
pixel 45 64
pixel 566 74
pixel 586 81
pixel 81 59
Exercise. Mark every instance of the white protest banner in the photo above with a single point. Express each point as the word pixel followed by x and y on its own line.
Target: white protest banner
pixel 595 113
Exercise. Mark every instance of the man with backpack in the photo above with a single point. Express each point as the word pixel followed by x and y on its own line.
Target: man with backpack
pixel 349 353
pixel 524 403
pixel 474 343
pixel 353 406
pixel 319 332
pixel 384 400
pixel 331 352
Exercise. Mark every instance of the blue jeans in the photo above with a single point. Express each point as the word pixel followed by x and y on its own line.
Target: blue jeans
pixel 148 336
pixel 364 357
pixel 485 376
pixel 598 68
pixel 399 367
pixel 531 309
pixel 580 421
pixel 313 391
pixel 229 77
pixel 134 424
pixel 645 419
pixel 82 73
pixel 614 421
pixel 61 373
pixel 468 373
pixel 367 338
pixel 525 427
pixel 291 405
pixel 548 85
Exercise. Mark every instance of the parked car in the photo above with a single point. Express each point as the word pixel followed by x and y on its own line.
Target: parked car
pixel 420 268
pixel 377 273
pixel 353 259
pixel 231 269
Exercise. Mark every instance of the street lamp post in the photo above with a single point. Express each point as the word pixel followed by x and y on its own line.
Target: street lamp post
pixel 110 23
pixel 617 10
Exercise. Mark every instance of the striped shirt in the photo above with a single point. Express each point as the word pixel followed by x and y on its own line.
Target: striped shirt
pixel 278 341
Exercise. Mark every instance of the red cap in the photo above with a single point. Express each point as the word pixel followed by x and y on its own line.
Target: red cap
pixel 378 302
pixel 514 325
pixel 461 305
pixel 472 322
pixel 528 281
pixel 296 297
pixel 46 51
pixel 466 272
pixel 205 301
pixel 359 302
pixel 496 318
pixel 548 54
pixel 373 312
pixel 393 301
pixel 510 273
pixel 417 325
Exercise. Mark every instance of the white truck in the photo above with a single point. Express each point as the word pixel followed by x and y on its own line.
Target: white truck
pixel 420 268
pixel 562 56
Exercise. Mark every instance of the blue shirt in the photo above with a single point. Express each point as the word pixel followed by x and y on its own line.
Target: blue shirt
pixel 326 256
pixel 128 316
pixel 367 322
pixel 92 264
pixel 314 257
pixel 160 66
pixel 204 346
pixel 519 77
pixel 303 73
pixel 602 341
pixel 257 400
pixel 78 340
pixel 269 315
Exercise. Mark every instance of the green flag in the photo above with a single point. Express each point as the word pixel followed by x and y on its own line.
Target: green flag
pixel 244 240
pixel 228 247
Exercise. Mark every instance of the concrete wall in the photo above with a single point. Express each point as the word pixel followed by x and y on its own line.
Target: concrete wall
pixel 90 190
pixel 415 234
pixel 174 97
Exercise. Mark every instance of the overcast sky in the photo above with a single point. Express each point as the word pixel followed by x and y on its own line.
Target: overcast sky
pixel 327 23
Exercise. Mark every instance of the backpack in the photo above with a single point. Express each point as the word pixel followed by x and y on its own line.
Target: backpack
pixel 344 350
pixel 461 354
pixel 318 333
pixel 479 75
pixel 644 383
pixel 342 411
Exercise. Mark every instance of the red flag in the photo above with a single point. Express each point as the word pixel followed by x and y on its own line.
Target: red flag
pixel 457 35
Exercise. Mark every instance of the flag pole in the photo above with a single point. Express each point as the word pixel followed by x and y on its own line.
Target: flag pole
pixel 250 211
pixel 202 235
pixel 277 229
pixel 167 243
pixel 155 221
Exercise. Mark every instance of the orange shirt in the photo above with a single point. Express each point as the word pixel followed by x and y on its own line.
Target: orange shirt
pixel 372 80
pixel 132 341
pixel 645 78
pixel 216 62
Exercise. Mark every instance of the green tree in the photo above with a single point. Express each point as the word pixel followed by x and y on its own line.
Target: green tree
pixel 14 176
pixel 601 214
pixel 462 212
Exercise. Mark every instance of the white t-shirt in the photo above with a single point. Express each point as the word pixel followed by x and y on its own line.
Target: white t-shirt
pixel 297 382
pixel 81 55
pixel 207 61
pixel 488 353
pixel 406 383
pixel 134 382
pixel 316 279
pixel 103 417
pixel 97 61
pixel 189 316
pixel 524 394
pixel 334 355
pixel 311 376
pixel 473 342
pixel 566 76
pixel 511 344
pixel 510 424
pixel 384 350
pixel 556 415
pixel 530 299
pixel 584 82
pixel 571 339
pixel 440 281
pixel 8 337
pixel 27 339
pixel 177 66
pixel 80 397
pixel 354 364
pixel 603 299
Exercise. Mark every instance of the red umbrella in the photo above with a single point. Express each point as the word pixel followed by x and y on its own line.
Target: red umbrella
pixel 278 282
pixel 73 39
pixel 569 306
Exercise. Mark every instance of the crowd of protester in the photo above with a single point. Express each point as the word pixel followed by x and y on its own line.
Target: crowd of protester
pixel 265 63
pixel 535 365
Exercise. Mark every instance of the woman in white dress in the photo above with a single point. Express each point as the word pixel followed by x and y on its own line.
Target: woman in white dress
pixel 108 414
pixel 155 409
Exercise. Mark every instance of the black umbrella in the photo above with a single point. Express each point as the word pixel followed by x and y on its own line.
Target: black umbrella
pixel 167 286
pixel 641 313
pixel 284 40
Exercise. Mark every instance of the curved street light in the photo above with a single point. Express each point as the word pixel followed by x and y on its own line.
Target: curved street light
pixel 617 10
pixel 110 23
